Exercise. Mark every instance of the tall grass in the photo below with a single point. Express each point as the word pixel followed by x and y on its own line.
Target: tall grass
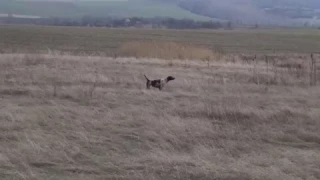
pixel 102 123
pixel 166 50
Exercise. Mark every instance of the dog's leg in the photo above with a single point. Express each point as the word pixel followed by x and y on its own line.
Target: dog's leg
pixel 148 84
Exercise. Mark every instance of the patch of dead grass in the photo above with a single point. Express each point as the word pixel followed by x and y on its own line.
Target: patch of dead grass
pixel 166 50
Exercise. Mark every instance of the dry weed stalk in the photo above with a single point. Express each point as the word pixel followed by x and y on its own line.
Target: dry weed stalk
pixel 275 71
pixel 267 63
pixel 254 70
pixel 94 85
pixel 55 80
pixel 313 71
pixel 54 84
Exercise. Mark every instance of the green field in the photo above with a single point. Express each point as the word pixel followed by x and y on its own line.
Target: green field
pixel 140 8
pixel 104 40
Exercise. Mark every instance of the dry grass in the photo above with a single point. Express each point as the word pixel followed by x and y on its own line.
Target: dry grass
pixel 67 117
pixel 166 50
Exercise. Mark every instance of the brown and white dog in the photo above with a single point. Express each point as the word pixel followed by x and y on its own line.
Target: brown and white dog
pixel 158 83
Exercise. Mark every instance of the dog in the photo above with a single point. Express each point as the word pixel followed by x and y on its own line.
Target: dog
pixel 158 83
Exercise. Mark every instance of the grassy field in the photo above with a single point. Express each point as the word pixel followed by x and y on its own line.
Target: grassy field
pixel 70 111
pixel 109 41
pixel 72 117
pixel 100 8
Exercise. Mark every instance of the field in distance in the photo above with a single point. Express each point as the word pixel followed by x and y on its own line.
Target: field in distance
pixel 37 39
pixel 102 8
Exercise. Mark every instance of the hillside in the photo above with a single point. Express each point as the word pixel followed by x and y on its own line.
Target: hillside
pixel 257 11
pixel 281 12
pixel 116 8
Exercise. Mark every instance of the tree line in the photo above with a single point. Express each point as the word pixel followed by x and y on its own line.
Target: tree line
pixel 156 22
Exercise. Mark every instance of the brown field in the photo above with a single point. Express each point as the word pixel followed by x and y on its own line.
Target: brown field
pixel 105 41
pixel 90 117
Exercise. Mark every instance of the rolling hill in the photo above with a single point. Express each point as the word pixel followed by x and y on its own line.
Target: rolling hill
pixel 281 12
pixel 257 11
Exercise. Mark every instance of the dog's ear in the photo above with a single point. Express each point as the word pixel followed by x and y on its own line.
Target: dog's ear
pixel 170 78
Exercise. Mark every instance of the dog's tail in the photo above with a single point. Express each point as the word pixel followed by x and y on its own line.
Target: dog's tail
pixel 146 77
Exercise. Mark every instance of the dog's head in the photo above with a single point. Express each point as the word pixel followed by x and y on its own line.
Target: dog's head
pixel 170 78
